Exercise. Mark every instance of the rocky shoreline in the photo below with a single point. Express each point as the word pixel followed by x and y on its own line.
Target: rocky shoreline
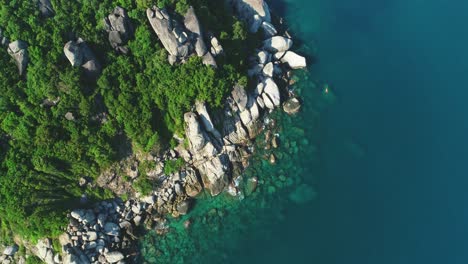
pixel 217 148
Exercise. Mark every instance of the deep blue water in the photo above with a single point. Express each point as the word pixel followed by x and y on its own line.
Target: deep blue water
pixel 394 183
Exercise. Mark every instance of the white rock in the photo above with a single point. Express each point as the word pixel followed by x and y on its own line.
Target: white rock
pixel 272 91
pixel 114 257
pixel 268 70
pixel 263 57
pixel 269 29
pixel 277 44
pixel 267 101
pixel 10 250
pixel 293 60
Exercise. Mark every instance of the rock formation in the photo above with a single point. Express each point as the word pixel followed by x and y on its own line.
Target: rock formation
pixel 80 55
pixel 18 51
pixel 120 30
pixel 180 41
pixel 253 12
pixel 170 33
pixel 45 7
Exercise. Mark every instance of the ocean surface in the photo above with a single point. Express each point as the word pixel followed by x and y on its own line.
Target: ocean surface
pixel 372 172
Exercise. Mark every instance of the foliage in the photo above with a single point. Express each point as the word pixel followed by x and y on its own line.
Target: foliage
pixel 42 154
pixel 173 166
pixel 143 185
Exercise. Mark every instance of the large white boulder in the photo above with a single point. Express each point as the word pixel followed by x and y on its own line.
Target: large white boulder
pixel 292 59
pixel 277 44
pixel 271 91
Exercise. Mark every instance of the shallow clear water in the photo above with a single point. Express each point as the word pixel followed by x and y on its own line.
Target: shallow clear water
pixel 384 151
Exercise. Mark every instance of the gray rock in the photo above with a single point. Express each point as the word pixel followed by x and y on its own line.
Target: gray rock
pixel 80 55
pixel 194 132
pixel 10 250
pixel 137 220
pixel 119 28
pixel 91 236
pixel 45 7
pixel 253 12
pixel 209 60
pixel 57 259
pixel 240 97
pixel 111 229
pixel 193 25
pixel 74 53
pixel 169 32
pixel 216 48
pixel 183 207
pixel 114 257
pixel 69 116
pixel 214 174
pixel 277 44
pixel 192 185
pixel 18 50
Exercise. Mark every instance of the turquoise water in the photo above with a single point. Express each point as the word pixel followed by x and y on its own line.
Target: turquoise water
pixel 373 172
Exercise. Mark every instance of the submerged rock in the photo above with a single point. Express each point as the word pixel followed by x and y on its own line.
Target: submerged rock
pixel 292 106
pixel 18 50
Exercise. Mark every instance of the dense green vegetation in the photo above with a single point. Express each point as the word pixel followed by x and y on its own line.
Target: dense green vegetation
pixel 42 154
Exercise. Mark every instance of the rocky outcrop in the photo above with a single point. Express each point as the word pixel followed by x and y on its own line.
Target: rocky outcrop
pixel 170 32
pixel 119 28
pixel 45 251
pixel 18 50
pixel 180 40
pixel 80 55
pixel 253 12
pixel 45 7
pixel 211 164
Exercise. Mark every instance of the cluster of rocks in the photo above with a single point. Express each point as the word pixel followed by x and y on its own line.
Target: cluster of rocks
pixel 273 60
pixel 214 158
pixel 104 234
pixel 182 40
pixel 255 13
pixel 80 55
pixel 8 254
pixel 119 28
